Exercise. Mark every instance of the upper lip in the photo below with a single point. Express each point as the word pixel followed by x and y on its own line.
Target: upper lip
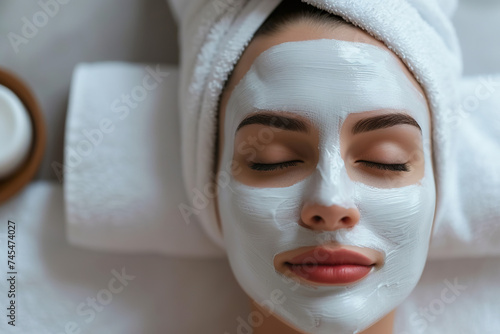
pixel 325 256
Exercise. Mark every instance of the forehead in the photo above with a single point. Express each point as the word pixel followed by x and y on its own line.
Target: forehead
pixel 302 31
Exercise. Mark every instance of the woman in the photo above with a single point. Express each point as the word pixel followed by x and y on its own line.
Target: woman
pixel 325 180
pixel 323 150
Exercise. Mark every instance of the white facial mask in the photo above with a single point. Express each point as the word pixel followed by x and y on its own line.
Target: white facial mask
pixel 325 81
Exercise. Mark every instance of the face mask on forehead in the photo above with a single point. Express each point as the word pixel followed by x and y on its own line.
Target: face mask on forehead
pixel 324 81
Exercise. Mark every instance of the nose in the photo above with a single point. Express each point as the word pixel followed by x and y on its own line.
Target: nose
pixel 328 218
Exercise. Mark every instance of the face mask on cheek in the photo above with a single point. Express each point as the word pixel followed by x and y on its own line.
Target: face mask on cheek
pixel 325 81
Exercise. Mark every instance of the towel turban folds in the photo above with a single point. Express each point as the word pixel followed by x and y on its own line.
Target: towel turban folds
pixel 215 33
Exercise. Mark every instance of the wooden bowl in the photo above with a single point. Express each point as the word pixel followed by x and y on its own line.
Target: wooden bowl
pixel 23 175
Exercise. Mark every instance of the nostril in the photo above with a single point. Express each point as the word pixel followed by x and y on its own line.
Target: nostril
pixel 317 219
pixel 346 220
pixel 328 218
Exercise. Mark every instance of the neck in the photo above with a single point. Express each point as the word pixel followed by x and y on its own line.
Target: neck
pixel 273 325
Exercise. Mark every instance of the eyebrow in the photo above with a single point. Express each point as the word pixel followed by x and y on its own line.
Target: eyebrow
pixel 297 125
pixel 276 121
pixel 383 121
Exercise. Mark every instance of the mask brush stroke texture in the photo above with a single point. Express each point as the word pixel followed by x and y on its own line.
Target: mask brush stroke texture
pixel 338 78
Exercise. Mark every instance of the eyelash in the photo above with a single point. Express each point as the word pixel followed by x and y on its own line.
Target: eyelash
pixel 391 167
pixel 272 167
pixel 282 165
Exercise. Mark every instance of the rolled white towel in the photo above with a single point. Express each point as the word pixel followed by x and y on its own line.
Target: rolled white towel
pixel 122 172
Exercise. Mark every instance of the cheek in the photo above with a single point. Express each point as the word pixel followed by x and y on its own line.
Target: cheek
pixel 400 214
pixel 402 220
pixel 265 212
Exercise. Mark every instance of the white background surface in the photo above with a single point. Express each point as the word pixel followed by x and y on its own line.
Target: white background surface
pixel 172 295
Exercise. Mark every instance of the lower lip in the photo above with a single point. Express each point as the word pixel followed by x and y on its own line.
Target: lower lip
pixel 331 274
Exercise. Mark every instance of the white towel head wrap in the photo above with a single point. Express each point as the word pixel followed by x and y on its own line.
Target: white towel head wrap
pixel 214 34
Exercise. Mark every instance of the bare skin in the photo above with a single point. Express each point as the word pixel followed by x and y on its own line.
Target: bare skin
pixel 333 217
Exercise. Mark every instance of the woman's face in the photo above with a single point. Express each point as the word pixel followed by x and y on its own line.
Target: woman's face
pixel 325 136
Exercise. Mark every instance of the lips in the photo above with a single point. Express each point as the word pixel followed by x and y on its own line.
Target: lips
pixel 327 266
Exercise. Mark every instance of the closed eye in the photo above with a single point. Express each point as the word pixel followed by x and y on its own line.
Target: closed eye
pixel 391 167
pixel 271 167
pixel 282 165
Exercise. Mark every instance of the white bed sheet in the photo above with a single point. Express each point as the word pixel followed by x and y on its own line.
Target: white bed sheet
pixel 177 295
